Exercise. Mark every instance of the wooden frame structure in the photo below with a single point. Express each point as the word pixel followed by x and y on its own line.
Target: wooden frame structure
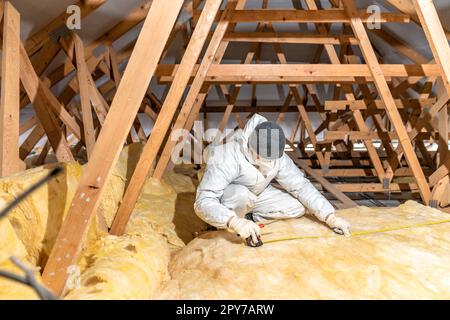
pixel 377 120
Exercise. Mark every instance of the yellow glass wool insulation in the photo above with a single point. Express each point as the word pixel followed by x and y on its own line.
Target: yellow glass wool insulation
pixel 12 290
pixel 134 266
pixel 187 224
pixel 30 230
pixel 396 253
pixel 127 267
pixel 10 245
pixel 38 218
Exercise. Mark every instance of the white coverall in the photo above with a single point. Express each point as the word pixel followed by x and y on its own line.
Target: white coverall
pixel 232 186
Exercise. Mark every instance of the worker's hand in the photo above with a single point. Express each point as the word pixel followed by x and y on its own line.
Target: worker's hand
pixel 245 229
pixel 338 225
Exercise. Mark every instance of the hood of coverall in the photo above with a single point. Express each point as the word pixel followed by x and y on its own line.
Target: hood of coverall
pixel 264 165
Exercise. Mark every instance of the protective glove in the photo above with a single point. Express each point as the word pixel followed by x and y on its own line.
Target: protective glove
pixel 338 225
pixel 246 229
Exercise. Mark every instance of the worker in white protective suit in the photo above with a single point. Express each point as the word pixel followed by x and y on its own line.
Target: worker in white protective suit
pixel 236 193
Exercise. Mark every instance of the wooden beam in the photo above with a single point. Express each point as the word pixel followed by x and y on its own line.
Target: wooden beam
pixel 28 124
pixel 294 73
pixel 285 37
pixel 376 187
pixel 140 69
pixel 10 93
pixel 82 76
pixel 38 94
pixel 31 141
pixel 306 16
pixel 334 105
pixel 166 114
pixel 386 96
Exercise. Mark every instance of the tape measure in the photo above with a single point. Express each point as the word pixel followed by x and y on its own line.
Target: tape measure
pixel 361 233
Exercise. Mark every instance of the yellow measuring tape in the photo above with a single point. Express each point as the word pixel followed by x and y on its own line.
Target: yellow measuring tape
pixel 361 233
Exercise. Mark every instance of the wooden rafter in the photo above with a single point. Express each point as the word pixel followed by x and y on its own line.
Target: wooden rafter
pixel 135 80
pixel 10 93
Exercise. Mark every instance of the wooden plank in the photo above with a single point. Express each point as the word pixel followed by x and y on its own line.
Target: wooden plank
pixel 306 16
pixel 307 124
pixel 386 96
pixel 82 76
pixel 34 85
pixel 376 187
pixel 122 113
pixel 293 73
pixel 43 58
pixel 330 136
pixel 43 155
pixel 334 105
pixel 226 116
pixel 115 73
pixel 165 117
pixel 99 104
pixel 28 124
pixel 10 93
pixel 31 141
pixel 287 37
pixel 36 91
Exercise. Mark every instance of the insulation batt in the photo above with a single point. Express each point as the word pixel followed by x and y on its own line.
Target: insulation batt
pixel 128 267
pixel 134 265
pixel 10 245
pixel 382 264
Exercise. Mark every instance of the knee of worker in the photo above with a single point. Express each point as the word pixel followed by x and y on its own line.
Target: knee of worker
pixel 295 211
pixel 291 212
pixel 239 199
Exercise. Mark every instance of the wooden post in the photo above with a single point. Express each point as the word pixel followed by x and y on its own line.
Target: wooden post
pixel 10 93
pixel 141 67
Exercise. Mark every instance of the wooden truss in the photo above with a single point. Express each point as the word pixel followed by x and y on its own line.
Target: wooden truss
pixel 376 120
